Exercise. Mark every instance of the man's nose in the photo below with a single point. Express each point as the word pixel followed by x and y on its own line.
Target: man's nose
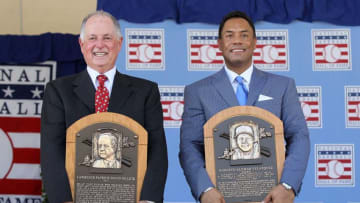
pixel 100 43
pixel 238 39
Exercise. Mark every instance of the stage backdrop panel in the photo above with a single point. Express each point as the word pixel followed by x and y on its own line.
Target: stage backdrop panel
pixel 321 57
pixel 27 64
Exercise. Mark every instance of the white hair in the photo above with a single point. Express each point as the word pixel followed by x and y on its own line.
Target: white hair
pixel 100 13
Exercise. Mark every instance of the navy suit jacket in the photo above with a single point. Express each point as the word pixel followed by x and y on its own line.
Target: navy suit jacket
pixel 208 96
pixel 68 99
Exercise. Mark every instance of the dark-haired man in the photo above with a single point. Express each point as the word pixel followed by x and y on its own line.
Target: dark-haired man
pixel 274 93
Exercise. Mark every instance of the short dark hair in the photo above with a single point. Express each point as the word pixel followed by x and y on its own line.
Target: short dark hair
pixel 236 14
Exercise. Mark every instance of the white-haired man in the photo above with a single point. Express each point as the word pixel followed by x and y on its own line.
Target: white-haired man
pixel 68 99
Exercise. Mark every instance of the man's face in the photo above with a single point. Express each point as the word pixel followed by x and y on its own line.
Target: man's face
pixel 105 147
pixel 245 142
pixel 100 46
pixel 244 138
pixel 237 43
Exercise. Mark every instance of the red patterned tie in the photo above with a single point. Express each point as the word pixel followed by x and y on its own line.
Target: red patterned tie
pixel 101 95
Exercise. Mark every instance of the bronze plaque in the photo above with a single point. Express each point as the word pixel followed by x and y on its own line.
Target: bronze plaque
pixel 105 164
pixel 103 158
pixel 245 158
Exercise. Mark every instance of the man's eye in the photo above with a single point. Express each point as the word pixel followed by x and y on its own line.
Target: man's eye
pixel 245 36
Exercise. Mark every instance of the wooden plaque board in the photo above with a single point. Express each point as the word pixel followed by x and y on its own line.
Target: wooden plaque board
pixel 139 161
pixel 235 168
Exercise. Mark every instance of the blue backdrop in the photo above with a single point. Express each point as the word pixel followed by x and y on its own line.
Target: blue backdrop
pixel 323 58
pixel 324 87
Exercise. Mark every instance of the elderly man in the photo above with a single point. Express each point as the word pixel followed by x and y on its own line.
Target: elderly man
pixel 68 99
pixel 107 149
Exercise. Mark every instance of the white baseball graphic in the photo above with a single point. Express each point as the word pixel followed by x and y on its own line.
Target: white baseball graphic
pixel 207 53
pixel 269 53
pixel 335 169
pixel 306 109
pixel 176 110
pixel 145 53
pixel 6 154
pixel 331 53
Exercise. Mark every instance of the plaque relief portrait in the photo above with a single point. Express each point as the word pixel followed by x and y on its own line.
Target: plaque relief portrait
pixel 244 141
pixel 107 146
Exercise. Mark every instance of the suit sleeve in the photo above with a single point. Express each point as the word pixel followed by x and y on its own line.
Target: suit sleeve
pixel 157 164
pixel 192 158
pixel 297 139
pixel 53 135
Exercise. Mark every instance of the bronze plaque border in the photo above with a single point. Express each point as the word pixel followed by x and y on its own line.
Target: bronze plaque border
pixel 109 117
pixel 242 111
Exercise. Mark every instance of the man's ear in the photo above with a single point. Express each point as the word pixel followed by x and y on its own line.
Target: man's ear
pixel 80 43
pixel 219 44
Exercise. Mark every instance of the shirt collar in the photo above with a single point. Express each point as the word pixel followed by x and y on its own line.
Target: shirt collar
pixel 246 75
pixel 110 74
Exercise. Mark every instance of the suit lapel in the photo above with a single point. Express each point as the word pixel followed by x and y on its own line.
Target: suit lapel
pixel 223 86
pixel 85 90
pixel 258 80
pixel 121 91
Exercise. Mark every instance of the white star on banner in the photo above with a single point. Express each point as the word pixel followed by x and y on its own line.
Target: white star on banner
pixel 36 93
pixel 8 92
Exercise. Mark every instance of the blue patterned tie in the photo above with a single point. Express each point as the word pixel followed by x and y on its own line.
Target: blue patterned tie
pixel 241 91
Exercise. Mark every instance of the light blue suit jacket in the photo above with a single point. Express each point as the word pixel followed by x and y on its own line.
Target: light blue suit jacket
pixel 208 96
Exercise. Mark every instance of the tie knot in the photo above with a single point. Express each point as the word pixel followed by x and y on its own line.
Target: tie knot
pixel 239 79
pixel 101 79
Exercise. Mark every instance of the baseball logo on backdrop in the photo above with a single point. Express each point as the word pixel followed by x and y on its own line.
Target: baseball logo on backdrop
pixel 145 49
pixel 172 100
pixel 352 98
pixel 334 165
pixel 21 92
pixel 310 99
pixel 331 49
pixel 6 148
pixel 203 50
pixel 272 50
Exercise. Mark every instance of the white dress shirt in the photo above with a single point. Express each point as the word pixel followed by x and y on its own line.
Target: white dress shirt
pixel 246 75
pixel 109 74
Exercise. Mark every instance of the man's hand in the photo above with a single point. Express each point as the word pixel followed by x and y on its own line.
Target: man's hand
pixel 280 195
pixel 212 196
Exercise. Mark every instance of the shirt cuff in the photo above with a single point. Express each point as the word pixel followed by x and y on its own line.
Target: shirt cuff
pixel 206 190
